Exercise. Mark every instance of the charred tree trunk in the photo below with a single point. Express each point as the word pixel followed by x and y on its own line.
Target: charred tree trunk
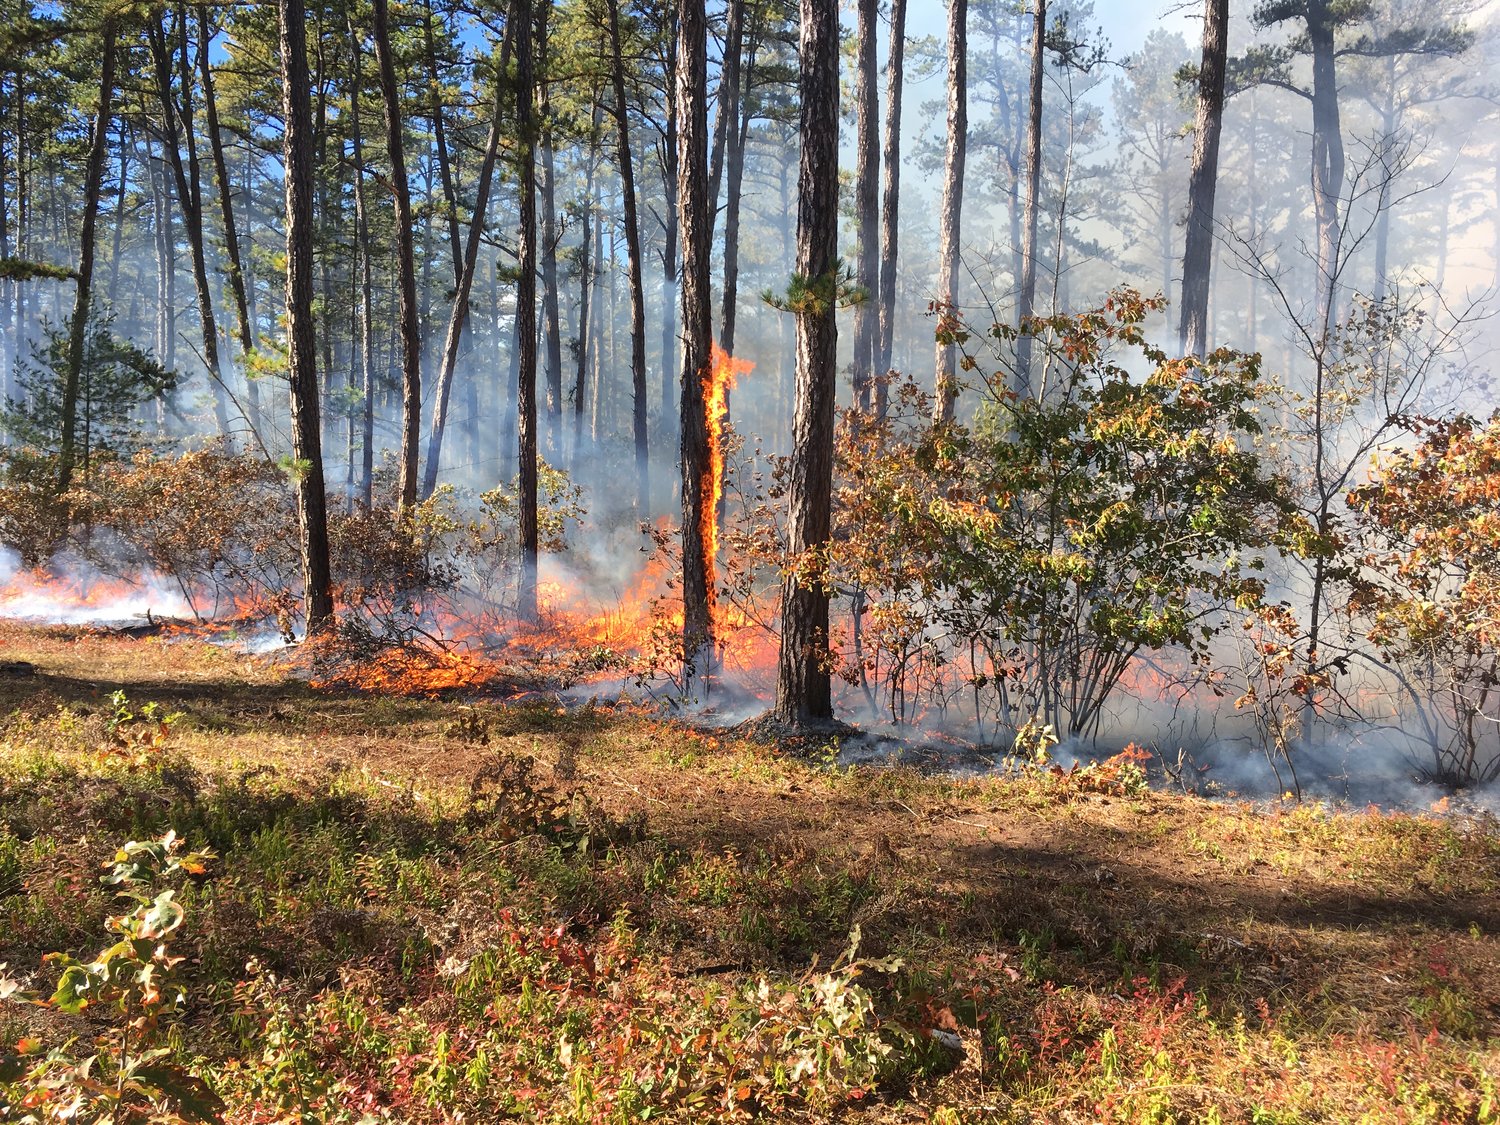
pixel 633 265
pixel 693 210
pixel 953 194
pixel 890 208
pixel 803 684
pixel 1026 305
pixel 83 294
pixel 866 202
pixel 411 337
pixel 297 145
pixel 734 195
pixel 669 255
pixel 526 419
pixel 1197 258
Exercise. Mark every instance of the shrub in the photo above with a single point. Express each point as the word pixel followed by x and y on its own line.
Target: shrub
pixel 1429 594
pixel 129 1074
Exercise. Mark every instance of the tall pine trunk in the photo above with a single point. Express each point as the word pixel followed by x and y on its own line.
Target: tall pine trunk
pixel 440 144
pixel 366 287
pixel 458 316
pixel 890 207
pixel 83 294
pixel 866 201
pixel 803 684
pixel 953 195
pixel 411 337
pixel 297 145
pixel 1327 158
pixel 551 302
pixel 693 210
pixel 631 219
pixel 1026 306
pixel 526 415
pixel 236 271
pixel 1197 258
pixel 177 134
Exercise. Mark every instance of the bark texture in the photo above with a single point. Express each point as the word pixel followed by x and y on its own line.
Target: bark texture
pixel 1026 305
pixel 953 194
pixel 697 328
pixel 626 163
pixel 1197 258
pixel 526 484
pixel 866 201
pixel 307 448
pixel 803 682
pixel 890 204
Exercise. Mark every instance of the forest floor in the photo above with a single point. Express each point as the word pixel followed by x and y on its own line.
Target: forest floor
pixel 447 910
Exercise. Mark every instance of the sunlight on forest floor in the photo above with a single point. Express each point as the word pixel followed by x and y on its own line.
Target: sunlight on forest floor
pixel 456 911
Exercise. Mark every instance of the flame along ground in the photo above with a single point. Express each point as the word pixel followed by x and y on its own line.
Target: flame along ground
pixel 581 636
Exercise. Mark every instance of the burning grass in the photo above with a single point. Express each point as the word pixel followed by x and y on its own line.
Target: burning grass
pixel 458 911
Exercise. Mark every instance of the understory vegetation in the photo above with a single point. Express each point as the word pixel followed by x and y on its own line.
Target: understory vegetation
pixel 325 908
pixel 1139 536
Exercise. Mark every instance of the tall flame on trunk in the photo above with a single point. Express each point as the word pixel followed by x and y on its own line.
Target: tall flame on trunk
pixel 718 381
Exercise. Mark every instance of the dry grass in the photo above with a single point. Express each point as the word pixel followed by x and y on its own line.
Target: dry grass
pixel 1101 956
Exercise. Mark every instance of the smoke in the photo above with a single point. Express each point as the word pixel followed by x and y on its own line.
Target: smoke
pixel 72 592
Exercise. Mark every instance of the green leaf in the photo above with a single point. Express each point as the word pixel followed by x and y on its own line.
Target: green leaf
pixel 76 989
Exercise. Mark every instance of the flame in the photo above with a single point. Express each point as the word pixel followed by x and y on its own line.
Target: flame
pixel 35 595
pixel 718 381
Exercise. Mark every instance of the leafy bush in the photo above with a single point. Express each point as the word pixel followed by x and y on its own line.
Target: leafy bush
pixel 221 525
pixel 1430 590
pixel 1020 564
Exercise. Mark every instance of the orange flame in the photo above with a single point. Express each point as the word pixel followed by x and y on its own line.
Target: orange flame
pixel 723 370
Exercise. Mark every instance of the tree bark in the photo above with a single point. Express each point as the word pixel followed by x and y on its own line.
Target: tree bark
pixel 733 197
pixel 1197 258
pixel 634 266
pixel 1327 157
pixel 693 215
pixel 526 414
pixel 1026 306
pixel 411 337
pixel 551 303
pixel 890 208
pixel 670 255
pixel 803 681
pixel 297 144
pixel 83 294
pixel 953 195
pixel 866 202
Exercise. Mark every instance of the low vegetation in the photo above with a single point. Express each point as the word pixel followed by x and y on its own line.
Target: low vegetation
pixel 336 908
